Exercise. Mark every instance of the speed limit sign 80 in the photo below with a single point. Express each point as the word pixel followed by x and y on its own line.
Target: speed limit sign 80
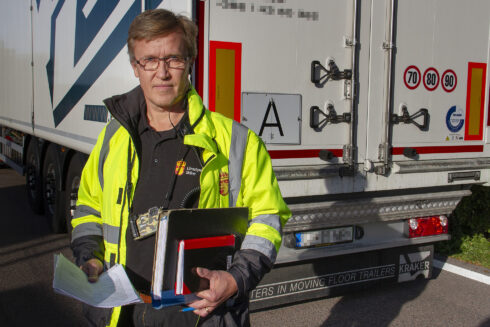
pixel 431 79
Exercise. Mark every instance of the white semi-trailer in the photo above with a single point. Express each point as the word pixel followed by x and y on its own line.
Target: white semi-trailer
pixel 375 114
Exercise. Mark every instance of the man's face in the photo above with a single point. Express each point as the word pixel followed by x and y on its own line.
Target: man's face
pixel 165 87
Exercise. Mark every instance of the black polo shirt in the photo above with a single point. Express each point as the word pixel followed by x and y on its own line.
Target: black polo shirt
pixel 163 156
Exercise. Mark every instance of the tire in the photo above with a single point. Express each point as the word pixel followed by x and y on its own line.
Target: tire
pixel 53 197
pixel 34 185
pixel 72 183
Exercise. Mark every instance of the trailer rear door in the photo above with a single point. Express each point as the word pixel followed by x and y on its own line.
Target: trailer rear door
pixel 260 73
pixel 439 73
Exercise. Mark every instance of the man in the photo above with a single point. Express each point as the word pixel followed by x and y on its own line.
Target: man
pixel 162 149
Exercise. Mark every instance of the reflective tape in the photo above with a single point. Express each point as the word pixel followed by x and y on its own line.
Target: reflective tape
pixel 273 221
pixel 225 62
pixel 86 229
pixel 110 130
pixel 475 101
pixel 239 135
pixel 82 211
pixel 261 245
pixel 111 234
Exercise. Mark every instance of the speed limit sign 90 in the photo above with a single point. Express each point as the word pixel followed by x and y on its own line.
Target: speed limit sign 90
pixel 412 77
pixel 431 79
pixel 449 80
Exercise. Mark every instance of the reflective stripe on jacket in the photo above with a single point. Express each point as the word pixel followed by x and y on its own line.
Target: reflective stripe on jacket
pixel 237 172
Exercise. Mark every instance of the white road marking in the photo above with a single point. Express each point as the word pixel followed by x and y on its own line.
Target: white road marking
pixel 462 272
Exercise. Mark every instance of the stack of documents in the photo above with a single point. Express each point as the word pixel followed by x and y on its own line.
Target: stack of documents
pixel 191 238
pixel 113 288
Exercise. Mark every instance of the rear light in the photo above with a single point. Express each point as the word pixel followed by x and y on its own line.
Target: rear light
pixel 427 226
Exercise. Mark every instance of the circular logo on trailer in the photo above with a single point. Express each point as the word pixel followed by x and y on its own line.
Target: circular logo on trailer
pixel 431 79
pixel 449 80
pixel 455 119
pixel 411 77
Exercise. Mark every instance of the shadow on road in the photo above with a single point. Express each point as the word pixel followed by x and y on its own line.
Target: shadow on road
pixel 17 221
pixel 29 306
pixel 26 263
pixel 389 300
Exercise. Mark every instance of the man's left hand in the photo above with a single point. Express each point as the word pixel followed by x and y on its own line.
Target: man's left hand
pixel 222 286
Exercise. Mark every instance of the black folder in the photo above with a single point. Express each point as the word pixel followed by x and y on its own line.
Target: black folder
pixel 182 224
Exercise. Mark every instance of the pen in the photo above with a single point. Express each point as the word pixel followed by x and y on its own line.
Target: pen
pixel 188 309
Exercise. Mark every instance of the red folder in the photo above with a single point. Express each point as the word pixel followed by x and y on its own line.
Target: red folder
pixel 213 253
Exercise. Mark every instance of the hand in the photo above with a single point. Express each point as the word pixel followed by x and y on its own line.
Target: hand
pixel 93 268
pixel 222 286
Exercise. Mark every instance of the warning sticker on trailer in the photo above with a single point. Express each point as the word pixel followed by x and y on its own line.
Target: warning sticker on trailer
pixel 455 120
pixel 276 118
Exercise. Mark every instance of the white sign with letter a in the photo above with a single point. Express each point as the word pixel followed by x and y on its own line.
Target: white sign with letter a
pixel 276 118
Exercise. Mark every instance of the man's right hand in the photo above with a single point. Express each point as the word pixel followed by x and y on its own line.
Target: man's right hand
pixel 93 268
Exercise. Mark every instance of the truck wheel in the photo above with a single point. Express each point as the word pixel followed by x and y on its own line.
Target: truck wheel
pixel 33 177
pixel 72 184
pixel 53 197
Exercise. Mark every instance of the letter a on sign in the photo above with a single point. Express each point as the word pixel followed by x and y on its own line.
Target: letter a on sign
pixel 266 124
pixel 275 117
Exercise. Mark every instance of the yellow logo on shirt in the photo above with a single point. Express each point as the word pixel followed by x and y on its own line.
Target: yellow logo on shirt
pixel 180 167
pixel 223 183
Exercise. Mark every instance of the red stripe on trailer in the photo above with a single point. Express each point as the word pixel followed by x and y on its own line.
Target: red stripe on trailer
pixel 488 107
pixel 439 149
pixel 200 47
pixel 295 154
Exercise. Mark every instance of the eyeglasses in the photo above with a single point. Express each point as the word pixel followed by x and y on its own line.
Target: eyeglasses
pixel 151 63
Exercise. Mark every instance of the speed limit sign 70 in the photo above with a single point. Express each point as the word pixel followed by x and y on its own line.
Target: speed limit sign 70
pixel 431 79
pixel 412 77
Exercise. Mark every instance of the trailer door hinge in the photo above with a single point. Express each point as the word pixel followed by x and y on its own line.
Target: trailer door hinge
pixel 383 151
pixel 348 42
pixel 388 45
pixel 348 153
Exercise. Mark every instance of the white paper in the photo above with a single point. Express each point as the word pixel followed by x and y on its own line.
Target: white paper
pixel 159 259
pixel 113 288
pixel 179 288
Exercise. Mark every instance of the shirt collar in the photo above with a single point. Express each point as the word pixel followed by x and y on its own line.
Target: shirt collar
pixel 144 126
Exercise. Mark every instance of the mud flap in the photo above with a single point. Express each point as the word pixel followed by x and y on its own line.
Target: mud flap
pixel 334 276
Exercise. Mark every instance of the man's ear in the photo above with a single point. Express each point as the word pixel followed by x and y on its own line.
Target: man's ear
pixel 135 69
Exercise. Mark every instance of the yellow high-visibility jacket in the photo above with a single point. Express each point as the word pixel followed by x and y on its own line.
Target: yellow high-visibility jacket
pixel 237 173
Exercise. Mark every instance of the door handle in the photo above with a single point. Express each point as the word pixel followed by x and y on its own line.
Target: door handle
pixel 406 118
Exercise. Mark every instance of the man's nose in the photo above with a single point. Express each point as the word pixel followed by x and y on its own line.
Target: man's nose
pixel 162 70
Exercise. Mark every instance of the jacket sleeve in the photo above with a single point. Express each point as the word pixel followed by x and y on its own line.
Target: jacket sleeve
pixel 268 211
pixel 87 236
pixel 248 268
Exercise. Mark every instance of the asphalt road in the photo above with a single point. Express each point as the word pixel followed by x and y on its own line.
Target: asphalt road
pixel 27 297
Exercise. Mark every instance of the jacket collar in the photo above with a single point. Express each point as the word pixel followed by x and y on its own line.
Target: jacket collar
pixel 127 108
pixel 204 130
